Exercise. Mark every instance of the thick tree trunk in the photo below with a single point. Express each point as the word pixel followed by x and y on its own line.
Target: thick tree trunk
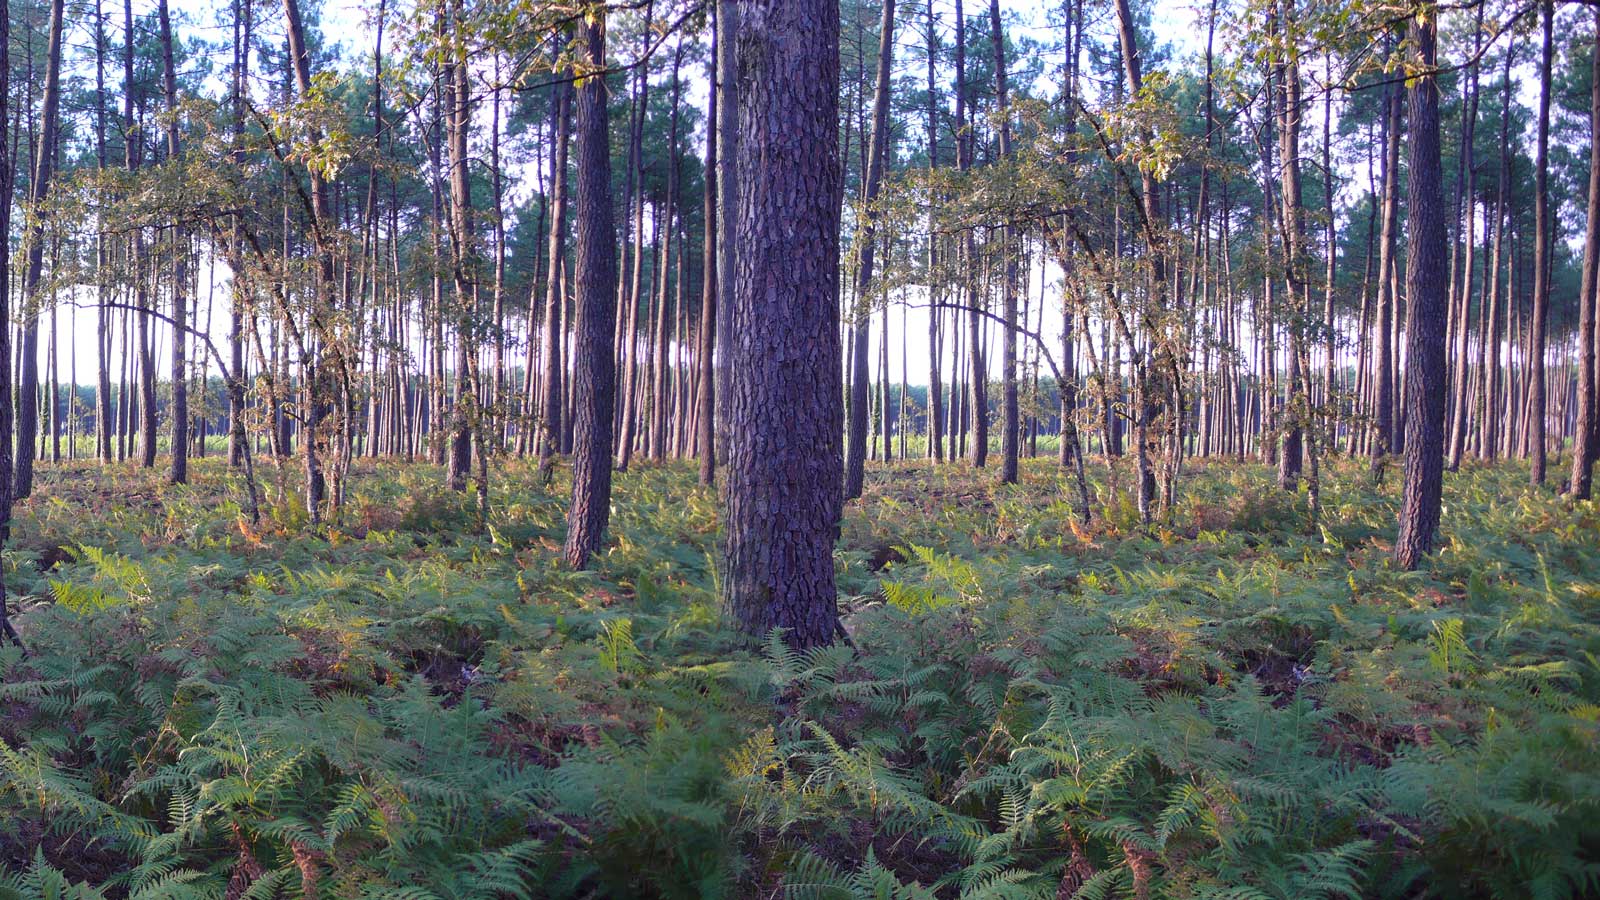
pixel 785 416
pixel 594 369
pixel 1427 293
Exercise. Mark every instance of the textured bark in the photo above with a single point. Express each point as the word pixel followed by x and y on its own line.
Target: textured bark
pixel 1383 357
pixel 44 158
pixel 1010 422
pixel 1541 264
pixel 463 407
pixel 7 410
pixel 1427 293
pixel 856 449
pixel 1331 253
pixel 237 438
pixel 727 124
pixel 497 190
pixel 550 367
pixel 784 401
pixel 1299 278
pixel 1584 444
pixel 977 398
pixel 1071 451
pixel 705 440
pixel 594 369
pixel 179 472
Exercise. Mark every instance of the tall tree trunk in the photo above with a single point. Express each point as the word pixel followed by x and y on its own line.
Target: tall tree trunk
pixel 7 630
pixel 1491 432
pixel 44 157
pixel 1585 446
pixel 528 428
pixel 1071 448
pixel 317 388
pixel 660 394
pixel 594 369
pixel 550 365
pixel 497 189
pixel 464 413
pixel 104 425
pixel 631 244
pixel 977 401
pixel 706 398
pixel 1010 423
pixel 936 407
pixel 785 416
pixel 1541 261
pixel 1331 251
pixel 1299 277
pixel 1383 356
pixel 1466 190
pixel 855 452
pixel 727 125
pixel 1427 280
pixel 885 420
pixel 179 473
pixel 237 438
pixel 1154 355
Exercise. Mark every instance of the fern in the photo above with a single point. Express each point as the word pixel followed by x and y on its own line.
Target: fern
pixel 1448 646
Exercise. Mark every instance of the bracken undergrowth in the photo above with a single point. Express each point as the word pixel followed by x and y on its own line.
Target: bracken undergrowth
pixel 414 704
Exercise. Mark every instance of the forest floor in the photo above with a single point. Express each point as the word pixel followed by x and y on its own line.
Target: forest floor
pixel 405 705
